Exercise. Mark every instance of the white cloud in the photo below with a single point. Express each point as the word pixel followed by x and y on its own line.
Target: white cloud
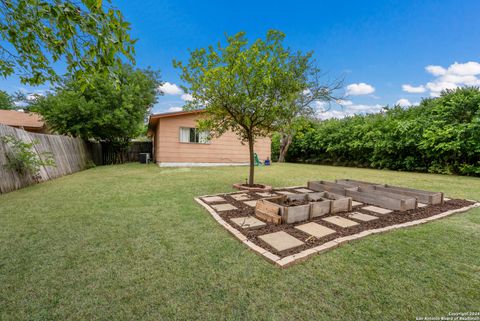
pixel 456 75
pixel 343 102
pixel 359 89
pixel 349 110
pixel 170 89
pixel 412 89
pixel 187 97
pixel 437 86
pixel 435 70
pixel 174 109
pixel 332 114
pixel 364 109
pixel 403 102
pixel 470 68
pixel 320 105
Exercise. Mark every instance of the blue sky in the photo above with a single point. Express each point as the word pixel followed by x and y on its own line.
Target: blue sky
pixel 387 51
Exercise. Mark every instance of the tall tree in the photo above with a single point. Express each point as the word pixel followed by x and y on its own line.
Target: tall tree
pixel 104 112
pixel 306 104
pixel 244 87
pixel 6 101
pixel 89 36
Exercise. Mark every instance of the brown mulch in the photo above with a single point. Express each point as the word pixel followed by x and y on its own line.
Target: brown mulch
pixel 382 221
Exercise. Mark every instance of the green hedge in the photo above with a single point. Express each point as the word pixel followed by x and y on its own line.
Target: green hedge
pixel 441 135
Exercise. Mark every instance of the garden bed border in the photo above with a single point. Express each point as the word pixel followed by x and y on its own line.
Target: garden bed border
pixel 305 254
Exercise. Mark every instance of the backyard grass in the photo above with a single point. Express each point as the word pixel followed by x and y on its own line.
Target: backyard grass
pixel 129 242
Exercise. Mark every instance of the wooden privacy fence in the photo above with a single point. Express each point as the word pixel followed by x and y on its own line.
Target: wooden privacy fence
pixel 70 155
pixel 105 154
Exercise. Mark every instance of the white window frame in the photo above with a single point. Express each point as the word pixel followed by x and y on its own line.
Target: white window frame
pixel 184 136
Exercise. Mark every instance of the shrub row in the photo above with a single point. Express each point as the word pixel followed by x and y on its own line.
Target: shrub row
pixel 441 135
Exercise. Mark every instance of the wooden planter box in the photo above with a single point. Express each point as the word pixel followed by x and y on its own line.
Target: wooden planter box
pixel 268 211
pixel 324 186
pixel 319 204
pixel 386 200
pixel 340 203
pixel 354 183
pixel 277 213
pixel 422 196
pixel 298 213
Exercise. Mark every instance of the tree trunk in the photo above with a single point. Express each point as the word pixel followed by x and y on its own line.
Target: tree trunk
pixel 252 161
pixel 285 142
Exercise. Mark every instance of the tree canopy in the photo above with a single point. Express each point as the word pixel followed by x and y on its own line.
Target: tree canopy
pixel 87 35
pixel 441 135
pixel 244 87
pixel 6 101
pixel 305 105
pixel 103 112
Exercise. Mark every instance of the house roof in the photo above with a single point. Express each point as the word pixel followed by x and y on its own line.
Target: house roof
pixel 154 118
pixel 21 119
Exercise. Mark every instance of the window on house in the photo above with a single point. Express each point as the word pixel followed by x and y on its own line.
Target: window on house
pixel 193 135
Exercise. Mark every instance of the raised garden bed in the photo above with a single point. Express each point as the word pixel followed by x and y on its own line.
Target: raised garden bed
pixel 301 207
pixel 359 222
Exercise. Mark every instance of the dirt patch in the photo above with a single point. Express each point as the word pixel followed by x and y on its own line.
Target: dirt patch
pixel 393 218
pixel 288 202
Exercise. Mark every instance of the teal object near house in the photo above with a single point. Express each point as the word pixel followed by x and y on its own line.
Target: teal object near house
pixel 257 161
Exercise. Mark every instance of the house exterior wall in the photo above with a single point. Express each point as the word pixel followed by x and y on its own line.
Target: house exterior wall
pixel 225 149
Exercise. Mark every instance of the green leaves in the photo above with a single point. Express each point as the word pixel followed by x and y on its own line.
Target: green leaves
pixel 103 111
pixel 6 101
pixel 22 158
pixel 244 87
pixel 90 39
pixel 441 135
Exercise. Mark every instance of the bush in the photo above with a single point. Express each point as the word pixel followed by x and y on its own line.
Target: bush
pixel 22 159
pixel 441 135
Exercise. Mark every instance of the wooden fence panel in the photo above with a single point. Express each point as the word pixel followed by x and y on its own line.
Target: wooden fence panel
pixel 70 155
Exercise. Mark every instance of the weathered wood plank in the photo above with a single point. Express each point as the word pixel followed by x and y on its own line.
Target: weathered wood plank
pixel 299 213
pixel 324 186
pixel 355 183
pixel 340 203
pixel 380 200
pixel 320 208
pixel 70 155
pixel 421 195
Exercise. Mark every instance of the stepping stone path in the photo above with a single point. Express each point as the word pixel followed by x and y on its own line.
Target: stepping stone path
pixel 340 221
pixel 420 205
pixel 212 199
pixel 362 217
pixel 355 203
pixel 248 222
pixel 266 194
pixel 251 203
pixel 240 197
pixel 315 229
pixel 285 193
pixel 223 207
pixel 304 190
pixel 378 210
pixel 281 241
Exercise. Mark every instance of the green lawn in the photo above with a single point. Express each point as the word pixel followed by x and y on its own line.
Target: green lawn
pixel 128 242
